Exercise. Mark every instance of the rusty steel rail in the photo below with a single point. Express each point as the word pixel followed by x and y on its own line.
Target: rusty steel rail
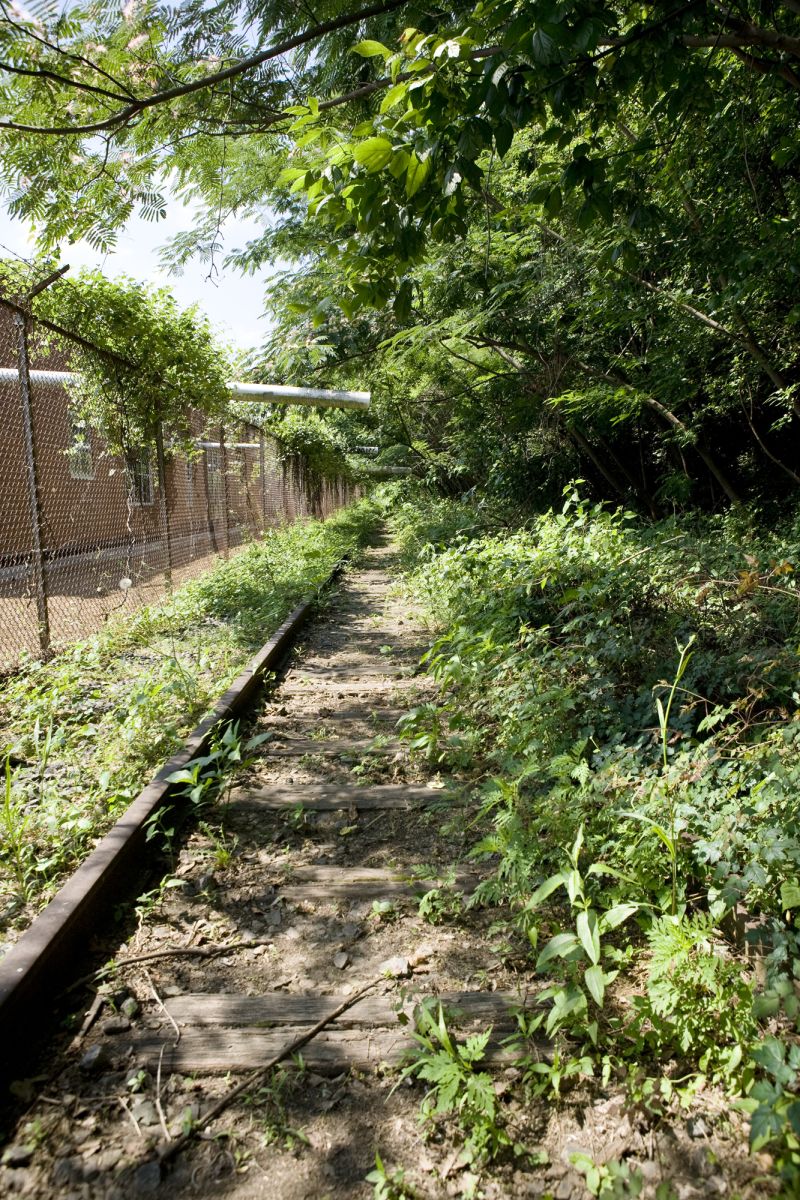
pixel 48 956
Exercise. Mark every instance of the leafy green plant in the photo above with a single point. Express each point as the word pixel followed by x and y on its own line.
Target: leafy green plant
pixel 443 903
pixel 582 952
pixel 773 1102
pixel 667 832
pixel 223 845
pixel 611 1180
pixel 389 1185
pixel 698 1003
pixel 270 1102
pixel 384 911
pixel 16 848
pixel 457 1087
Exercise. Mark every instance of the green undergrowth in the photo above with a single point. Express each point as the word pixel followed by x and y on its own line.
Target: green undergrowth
pixel 626 698
pixel 83 732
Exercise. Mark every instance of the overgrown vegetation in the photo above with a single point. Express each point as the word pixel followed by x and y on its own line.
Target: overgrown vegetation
pixel 629 692
pixel 557 240
pixel 83 732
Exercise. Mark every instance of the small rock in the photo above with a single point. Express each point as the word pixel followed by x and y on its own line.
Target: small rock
pixel 147 1178
pixel 106 1160
pixel 144 1111
pixel 247 935
pixel 116 1025
pixel 293 935
pixel 129 1007
pixel 717 1184
pixel 72 1170
pixel 572 1147
pixel 17 1156
pixel 351 932
pixel 341 960
pixel 274 917
pixel 172 989
pixel 96 1058
pixel 650 1170
pixel 697 1128
pixel 396 966
pixel 206 883
pixel 566 1187
pixel 345 989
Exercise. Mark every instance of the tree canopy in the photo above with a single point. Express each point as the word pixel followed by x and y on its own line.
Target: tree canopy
pixel 554 237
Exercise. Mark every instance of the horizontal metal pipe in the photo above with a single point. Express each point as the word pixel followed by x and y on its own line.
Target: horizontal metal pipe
pixel 11 375
pixel 385 472
pixel 316 397
pixel 230 445
pixel 275 393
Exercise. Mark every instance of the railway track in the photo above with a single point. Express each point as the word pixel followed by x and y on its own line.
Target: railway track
pixel 304 892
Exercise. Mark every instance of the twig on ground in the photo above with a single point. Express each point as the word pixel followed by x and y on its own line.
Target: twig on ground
pixel 172 952
pixel 163 1007
pixel 159 1107
pixel 88 1020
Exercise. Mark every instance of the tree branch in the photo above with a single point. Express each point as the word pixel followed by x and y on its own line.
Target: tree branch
pixel 43 73
pixel 185 89
pixel 79 58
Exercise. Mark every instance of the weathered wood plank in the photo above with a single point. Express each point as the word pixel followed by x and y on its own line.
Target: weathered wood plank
pixel 202 1009
pixel 291 748
pixel 362 714
pixel 222 1050
pixel 328 798
pixel 351 891
pixel 354 670
pixel 322 686
pixel 324 883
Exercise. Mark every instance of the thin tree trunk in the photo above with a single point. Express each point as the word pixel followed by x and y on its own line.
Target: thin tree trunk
pixel 713 467
pixel 587 449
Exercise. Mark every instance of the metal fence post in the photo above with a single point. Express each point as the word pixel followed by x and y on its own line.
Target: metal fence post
pixel 34 491
pixel 162 503
pixel 212 532
pixel 223 454
pixel 262 460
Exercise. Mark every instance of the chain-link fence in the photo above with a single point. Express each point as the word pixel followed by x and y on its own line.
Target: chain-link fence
pixel 85 533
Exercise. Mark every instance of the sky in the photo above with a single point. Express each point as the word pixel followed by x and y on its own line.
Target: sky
pixel 234 303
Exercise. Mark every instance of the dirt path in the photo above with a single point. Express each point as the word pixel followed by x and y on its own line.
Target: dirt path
pixel 312 883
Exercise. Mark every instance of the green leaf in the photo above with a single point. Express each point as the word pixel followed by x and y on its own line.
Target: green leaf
pixel 558 947
pixel 393 96
pixel 416 174
pixel 790 894
pixel 289 174
pixel 503 137
pixel 589 934
pixel 373 153
pixel 618 915
pixel 554 202
pixel 596 983
pixel 371 49
pixel 546 889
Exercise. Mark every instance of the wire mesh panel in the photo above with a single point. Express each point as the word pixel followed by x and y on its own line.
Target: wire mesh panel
pixel 85 533
pixel 19 626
